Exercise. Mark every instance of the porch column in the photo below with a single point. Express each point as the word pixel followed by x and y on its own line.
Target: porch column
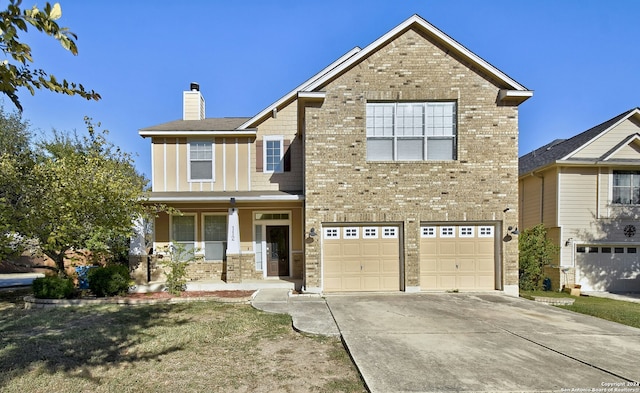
pixel 138 259
pixel 233 232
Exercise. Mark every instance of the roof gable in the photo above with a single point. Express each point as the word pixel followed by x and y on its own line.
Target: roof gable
pixel 582 146
pixel 511 90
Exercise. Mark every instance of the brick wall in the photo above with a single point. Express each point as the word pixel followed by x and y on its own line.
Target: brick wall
pixel 341 186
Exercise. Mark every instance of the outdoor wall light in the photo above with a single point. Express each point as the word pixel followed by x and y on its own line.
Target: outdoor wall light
pixel 568 242
pixel 312 232
pixel 513 231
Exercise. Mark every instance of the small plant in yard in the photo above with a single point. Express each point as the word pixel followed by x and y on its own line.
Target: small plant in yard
pixel 176 265
pixel 109 280
pixel 53 287
pixel 536 251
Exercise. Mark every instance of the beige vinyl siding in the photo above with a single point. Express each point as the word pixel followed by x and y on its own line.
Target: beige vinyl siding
pixel 157 154
pixel 609 140
pixel 285 124
pixel 530 201
pixel 604 192
pixel 578 196
pixel 170 164
pixel 550 211
pixel 628 152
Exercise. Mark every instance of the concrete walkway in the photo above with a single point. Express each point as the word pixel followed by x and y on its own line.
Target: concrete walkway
pixel 309 313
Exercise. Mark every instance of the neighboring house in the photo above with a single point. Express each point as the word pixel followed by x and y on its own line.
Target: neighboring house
pixel 586 191
pixel 392 169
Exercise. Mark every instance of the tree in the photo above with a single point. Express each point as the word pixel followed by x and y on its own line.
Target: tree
pixel 16 162
pixel 536 251
pixel 85 193
pixel 16 73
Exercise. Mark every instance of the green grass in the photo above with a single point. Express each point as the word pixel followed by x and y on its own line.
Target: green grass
pixel 186 347
pixel 626 313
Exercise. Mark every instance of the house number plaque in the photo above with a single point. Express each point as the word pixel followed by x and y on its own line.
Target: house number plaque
pixel 629 230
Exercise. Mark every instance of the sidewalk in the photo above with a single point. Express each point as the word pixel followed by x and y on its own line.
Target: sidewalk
pixel 309 313
pixel 9 280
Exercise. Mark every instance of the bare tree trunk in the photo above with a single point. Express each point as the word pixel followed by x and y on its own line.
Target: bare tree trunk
pixel 58 259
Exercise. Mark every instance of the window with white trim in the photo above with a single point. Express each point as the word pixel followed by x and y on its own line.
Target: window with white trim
pixel 215 237
pixel 466 231
pixel 626 187
pixel 428 232
pixel 183 232
pixel 200 157
pixel 485 231
pixel 389 232
pixel 351 233
pixel 447 232
pixel 273 154
pixel 411 131
pixel 331 233
pixel 370 232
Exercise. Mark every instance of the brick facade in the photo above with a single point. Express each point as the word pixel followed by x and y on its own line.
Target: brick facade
pixel 341 186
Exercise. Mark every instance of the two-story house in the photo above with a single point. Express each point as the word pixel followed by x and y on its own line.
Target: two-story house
pixel 586 192
pixel 392 169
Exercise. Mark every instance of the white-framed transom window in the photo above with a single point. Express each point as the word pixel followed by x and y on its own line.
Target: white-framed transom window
pixel 466 231
pixel 389 232
pixel 200 157
pixel 351 233
pixel 447 232
pixel 411 131
pixel 273 154
pixel 370 232
pixel 485 231
pixel 428 232
pixel 331 233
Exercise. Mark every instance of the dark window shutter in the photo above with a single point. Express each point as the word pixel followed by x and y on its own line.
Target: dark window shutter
pixel 259 159
pixel 287 155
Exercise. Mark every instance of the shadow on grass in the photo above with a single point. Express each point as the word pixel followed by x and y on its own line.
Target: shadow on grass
pixel 76 340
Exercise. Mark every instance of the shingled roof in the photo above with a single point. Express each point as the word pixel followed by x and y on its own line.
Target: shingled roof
pixel 560 148
pixel 210 124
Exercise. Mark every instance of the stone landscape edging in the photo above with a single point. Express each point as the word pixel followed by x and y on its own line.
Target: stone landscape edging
pixel 31 302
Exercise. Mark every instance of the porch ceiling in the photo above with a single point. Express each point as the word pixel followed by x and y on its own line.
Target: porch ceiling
pixel 225 196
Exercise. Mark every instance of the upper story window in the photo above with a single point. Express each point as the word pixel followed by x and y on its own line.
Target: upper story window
pixel 200 156
pixel 626 187
pixel 411 131
pixel 273 153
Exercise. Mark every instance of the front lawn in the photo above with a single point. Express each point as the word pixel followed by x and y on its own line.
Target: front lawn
pixel 187 347
pixel 626 313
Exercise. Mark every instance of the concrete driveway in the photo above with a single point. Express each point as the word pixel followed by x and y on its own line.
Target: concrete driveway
pixel 483 342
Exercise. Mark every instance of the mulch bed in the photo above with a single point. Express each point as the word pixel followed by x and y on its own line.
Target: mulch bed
pixel 190 294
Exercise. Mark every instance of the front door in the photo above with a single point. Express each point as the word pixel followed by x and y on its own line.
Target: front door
pixel 277 250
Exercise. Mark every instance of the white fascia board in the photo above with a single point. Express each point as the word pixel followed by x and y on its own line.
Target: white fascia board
pixel 516 95
pixel 312 94
pixel 432 30
pixel 632 113
pixel 245 132
pixel 302 87
pixel 259 198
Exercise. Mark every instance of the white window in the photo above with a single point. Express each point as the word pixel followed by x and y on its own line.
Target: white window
pixel 351 233
pixel 200 156
pixel 183 232
pixel 466 231
pixel 215 237
pixel 626 187
pixel 447 232
pixel 428 232
pixel 389 232
pixel 411 131
pixel 485 232
pixel 273 154
pixel 370 232
pixel 331 233
pixel 257 247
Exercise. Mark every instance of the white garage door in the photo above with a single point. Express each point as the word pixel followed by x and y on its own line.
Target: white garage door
pixel 457 257
pixel 608 268
pixel 361 258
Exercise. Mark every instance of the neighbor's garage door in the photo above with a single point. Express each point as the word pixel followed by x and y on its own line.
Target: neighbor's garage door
pixel 608 268
pixel 361 258
pixel 457 257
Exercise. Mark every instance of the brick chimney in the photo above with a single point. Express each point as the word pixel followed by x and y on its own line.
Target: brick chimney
pixel 193 103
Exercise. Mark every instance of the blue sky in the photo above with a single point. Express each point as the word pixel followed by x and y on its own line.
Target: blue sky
pixel 579 57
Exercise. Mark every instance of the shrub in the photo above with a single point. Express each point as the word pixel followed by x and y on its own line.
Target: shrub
pixel 536 251
pixel 176 268
pixel 53 287
pixel 110 280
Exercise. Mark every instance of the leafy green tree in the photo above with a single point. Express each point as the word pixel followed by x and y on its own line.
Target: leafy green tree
pixel 15 69
pixel 85 193
pixel 536 251
pixel 16 162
